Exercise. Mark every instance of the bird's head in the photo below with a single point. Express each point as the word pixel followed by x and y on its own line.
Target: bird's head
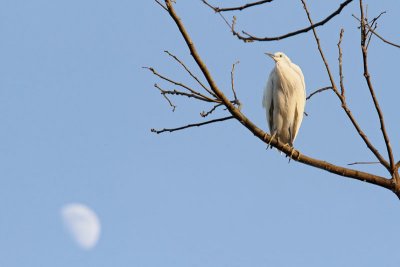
pixel 279 57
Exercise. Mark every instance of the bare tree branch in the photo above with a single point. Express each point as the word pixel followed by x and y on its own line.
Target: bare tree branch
pixel 240 8
pixel 363 163
pixel 343 99
pixel 318 91
pixel 191 125
pixel 164 94
pixel 205 114
pixel 247 37
pixel 373 30
pixel 370 36
pixel 194 92
pixel 373 21
pixel 236 101
pixel 266 138
pixel 190 73
pixel 342 89
pixel 158 2
pixel 176 92
pixel 382 39
pixel 372 91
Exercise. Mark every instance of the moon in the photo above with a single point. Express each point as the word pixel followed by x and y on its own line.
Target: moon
pixel 82 223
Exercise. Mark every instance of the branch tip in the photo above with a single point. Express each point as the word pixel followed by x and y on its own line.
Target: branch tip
pixel 246 37
pixel 191 125
pixel 238 8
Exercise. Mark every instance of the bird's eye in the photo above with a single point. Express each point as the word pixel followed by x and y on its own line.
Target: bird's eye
pixel 280 55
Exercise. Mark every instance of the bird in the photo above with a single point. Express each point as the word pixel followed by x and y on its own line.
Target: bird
pixel 284 99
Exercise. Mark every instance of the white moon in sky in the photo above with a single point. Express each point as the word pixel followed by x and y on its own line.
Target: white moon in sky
pixel 82 223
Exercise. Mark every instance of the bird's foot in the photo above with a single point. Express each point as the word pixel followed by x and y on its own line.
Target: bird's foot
pixel 286 145
pixel 291 152
pixel 298 156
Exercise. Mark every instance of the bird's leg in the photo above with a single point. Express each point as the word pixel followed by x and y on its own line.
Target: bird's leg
pixel 270 140
pixel 265 137
pixel 292 152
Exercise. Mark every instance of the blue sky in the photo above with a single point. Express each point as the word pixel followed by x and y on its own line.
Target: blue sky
pixel 76 110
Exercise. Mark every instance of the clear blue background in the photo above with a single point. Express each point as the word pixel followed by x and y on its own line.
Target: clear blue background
pixel 76 110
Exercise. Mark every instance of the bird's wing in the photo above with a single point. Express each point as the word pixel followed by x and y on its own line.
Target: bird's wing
pixel 300 97
pixel 267 101
pixel 297 69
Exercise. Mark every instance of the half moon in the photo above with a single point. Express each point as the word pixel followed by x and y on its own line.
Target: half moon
pixel 82 223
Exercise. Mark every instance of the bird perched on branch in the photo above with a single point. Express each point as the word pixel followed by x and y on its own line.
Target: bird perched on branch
pixel 284 99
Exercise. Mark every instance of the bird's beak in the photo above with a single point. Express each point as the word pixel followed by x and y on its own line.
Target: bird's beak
pixel 271 56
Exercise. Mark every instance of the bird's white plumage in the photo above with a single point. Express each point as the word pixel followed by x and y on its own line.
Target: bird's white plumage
pixel 284 99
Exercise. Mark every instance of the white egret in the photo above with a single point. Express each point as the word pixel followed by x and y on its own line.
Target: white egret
pixel 284 99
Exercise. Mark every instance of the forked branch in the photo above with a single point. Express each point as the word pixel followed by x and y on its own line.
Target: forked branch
pixel 164 94
pixel 372 28
pixel 381 38
pixel 193 92
pixel 190 72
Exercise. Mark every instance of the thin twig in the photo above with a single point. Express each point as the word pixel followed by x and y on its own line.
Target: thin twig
pixel 334 88
pixel 375 33
pixel 372 91
pixel 233 83
pixel 370 35
pixel 318 91
pixel 373 21
pixel 239 8
pixel 363 162
pixel 372 25
pixel 190 73
pixel 176 92
pixel 343 99
pixel 203 97
pixel 382 39
pixel 205 114
pixel 250 38
pixel 342 88
pixel 164 94
pixel 191 125
pixel 158 2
